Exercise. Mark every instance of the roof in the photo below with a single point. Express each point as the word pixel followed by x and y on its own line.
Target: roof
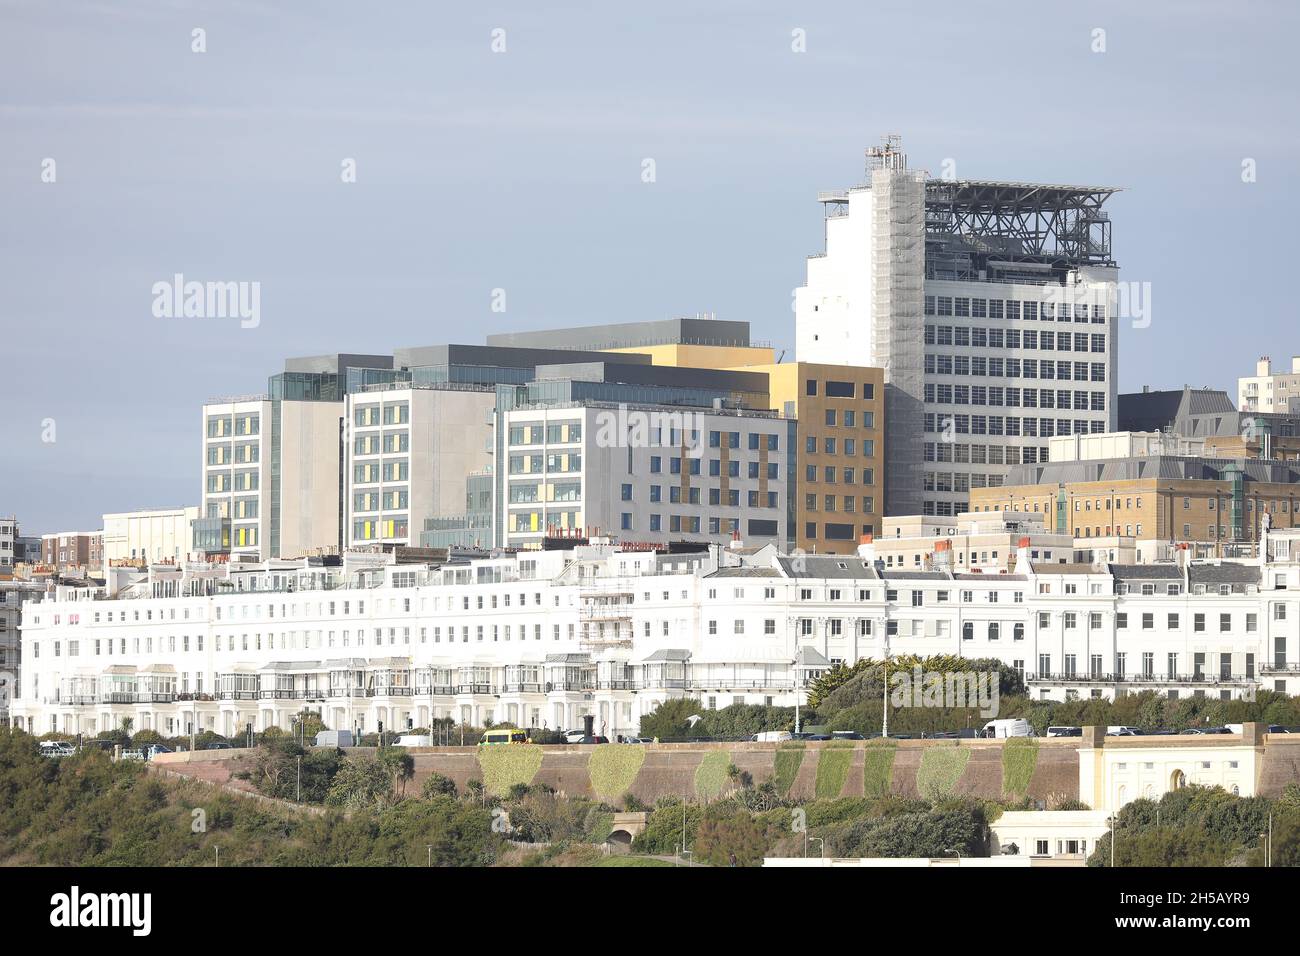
pixel 744 573
pixel 990 577
pixel 811 657
pixel 1146 572
pixel 668 654
pixel 916 575
pixel 287 666
pixel 1070 569
pixel 1224 574
pixel 826 566
pixel 568 659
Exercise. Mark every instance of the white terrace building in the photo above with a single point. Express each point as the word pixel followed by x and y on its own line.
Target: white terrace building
pixel 541 638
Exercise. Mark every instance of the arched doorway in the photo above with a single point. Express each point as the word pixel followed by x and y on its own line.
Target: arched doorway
pixel 619 841
pixel 1177 780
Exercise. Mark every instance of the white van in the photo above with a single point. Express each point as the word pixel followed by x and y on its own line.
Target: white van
pixel 1121 731
pixel 1010 727
pixel 414 740
pixel 773 736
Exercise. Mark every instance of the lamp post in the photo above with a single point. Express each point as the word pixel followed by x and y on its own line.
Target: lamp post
pixel 821 849
pixel 884 694
pixel 795 671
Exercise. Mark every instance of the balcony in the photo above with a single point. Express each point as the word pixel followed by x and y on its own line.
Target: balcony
pixel 615 685
pixel 1279 668
pixel 475 689
pixel 346 692
pixel 522 688
pixel 434 690
pixel 569 686
pixel 741 684
pixel 1205 679
pixel 389 690
pixel 237 695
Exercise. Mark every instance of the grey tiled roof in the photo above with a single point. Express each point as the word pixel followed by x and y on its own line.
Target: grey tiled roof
pixel 826 566
pixel 1146 572
pixel 1224 574
pixel 744 573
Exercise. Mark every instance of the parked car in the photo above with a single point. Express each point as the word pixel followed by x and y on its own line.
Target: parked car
pixel 818 737
pixel 57 748
pixel 1065 731
pixel 772 736
pixel 1123 732
pixel 846 735
pixel 638 740
pixel 1277 729
pixel 574 736
pixel 593 740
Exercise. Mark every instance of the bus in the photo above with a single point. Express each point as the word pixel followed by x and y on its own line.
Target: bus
pixel 506 735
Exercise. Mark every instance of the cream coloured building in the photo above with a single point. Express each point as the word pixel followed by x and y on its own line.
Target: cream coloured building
pixel 150 536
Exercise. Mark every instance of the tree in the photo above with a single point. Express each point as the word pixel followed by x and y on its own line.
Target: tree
pixel 736 838
pixel 955 828
pixel 279 764
pixel 669 719
pixel 361 782
pixel 436 785
pixel 400 766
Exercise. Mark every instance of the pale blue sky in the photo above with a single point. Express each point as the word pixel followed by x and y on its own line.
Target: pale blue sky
pixel 522 171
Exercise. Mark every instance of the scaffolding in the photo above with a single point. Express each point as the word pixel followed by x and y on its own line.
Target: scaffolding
pixel 897 290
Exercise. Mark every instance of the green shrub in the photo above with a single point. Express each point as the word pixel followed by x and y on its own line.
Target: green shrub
pixel 878 768
pixel 599 824
pixel 941 768
pixel 711 775
pixel 832 770
pixel 1019 758
pixel 788 760
pixel 506 765
pixel 613 769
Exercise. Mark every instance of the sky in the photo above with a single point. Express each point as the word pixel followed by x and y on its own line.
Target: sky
pixel 502 146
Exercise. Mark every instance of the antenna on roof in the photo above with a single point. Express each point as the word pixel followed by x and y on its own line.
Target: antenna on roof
pixel 888 155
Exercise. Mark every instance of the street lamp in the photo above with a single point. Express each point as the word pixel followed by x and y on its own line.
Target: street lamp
pixel 821 850
pixel 795 670
pixel 884 694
